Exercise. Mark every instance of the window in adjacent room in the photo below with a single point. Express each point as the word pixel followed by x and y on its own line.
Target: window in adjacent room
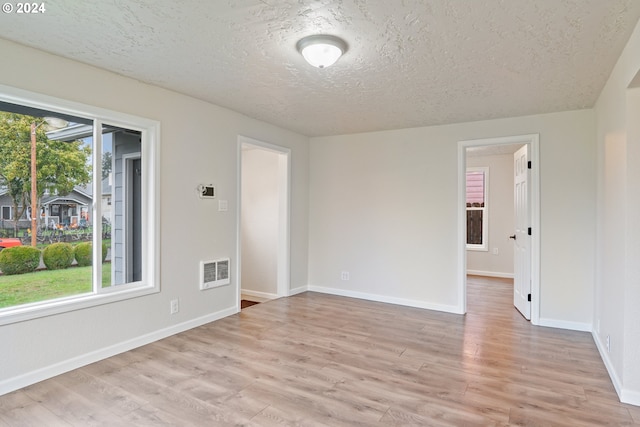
pixel 477 208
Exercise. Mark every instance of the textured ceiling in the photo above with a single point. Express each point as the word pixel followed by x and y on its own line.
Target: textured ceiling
pixel 410 62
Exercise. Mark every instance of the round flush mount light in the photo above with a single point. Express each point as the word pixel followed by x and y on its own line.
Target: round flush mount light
pixel 321 50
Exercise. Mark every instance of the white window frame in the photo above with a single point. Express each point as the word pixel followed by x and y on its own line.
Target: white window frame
pixel 150 149
pixel 485 211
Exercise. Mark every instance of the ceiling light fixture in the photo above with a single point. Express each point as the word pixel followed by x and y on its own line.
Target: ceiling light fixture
pixel 321 50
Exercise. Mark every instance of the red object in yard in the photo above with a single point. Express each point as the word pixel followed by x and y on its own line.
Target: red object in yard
pixel 8 243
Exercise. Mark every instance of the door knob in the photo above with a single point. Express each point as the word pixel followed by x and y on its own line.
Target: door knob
pixel 513 237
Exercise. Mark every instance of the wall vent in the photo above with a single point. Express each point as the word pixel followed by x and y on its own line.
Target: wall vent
pixel 214 273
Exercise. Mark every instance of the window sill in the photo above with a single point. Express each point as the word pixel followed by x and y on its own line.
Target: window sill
pixel 32 311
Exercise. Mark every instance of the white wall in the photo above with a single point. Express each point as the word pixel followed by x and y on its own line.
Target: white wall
pixel 501 220
pixel 199 145
pixel 259 217
pixel 383 206
pixel 618 231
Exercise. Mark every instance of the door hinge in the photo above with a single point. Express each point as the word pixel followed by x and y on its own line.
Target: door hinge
pixel 529 297
pixel 529 164
pixel 529 231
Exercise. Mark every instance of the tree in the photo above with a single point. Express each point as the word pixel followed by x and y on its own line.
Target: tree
pixel 60 165
pixel 106 164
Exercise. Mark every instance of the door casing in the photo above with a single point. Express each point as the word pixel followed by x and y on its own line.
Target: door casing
pixel 284 245
pixel 534 187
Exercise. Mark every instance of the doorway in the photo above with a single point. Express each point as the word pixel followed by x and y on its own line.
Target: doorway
pixel 520 263
pixel 263 223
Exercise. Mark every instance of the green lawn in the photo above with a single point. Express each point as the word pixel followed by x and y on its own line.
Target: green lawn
pixel 48 284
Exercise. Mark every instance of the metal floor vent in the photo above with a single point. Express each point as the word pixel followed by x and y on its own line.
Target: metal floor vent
pixel 214 273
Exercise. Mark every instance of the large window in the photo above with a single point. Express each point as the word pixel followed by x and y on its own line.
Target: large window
pixel 477 208
pixel 94 184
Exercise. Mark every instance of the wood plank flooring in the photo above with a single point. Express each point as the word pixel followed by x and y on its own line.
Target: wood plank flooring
pixel 321 360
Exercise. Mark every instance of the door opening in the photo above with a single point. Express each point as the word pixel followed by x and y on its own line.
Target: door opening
pixel 522 152
pixel 263 223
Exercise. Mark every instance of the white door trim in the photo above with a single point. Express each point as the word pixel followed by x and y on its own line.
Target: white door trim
pixel 284 222
pixel 534 187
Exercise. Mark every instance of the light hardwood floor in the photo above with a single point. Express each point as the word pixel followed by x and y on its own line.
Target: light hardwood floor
pixel 316 359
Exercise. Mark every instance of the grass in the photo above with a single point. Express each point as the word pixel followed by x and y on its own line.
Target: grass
pixel 48 284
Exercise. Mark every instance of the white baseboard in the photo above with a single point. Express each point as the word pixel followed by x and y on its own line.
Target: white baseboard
pixel 298 290
pixel 490 274
pixel 262 296
pixel 29 378
pixel 386 299
pixel 631 397
pixel 604 355
pixel 563 324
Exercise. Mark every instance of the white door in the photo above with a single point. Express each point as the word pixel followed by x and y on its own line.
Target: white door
pixel 522 240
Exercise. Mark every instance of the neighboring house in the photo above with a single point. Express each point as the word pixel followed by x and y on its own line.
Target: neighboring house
pixel 67 210
pixel 106 197
pixel 6 209
pixel 55 209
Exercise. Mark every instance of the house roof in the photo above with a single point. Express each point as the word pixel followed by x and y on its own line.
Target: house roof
pixel 106 188
pixel 71 197
pixel 411 63
pixel 81 194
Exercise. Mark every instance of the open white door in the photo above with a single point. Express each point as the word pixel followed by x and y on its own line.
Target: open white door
pixel 522 239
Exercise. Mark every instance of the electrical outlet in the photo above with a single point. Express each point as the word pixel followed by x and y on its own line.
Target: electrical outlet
pixel 344 275
pixel 608 343
pixel 175 306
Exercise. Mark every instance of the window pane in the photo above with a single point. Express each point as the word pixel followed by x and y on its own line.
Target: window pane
pixel 476 204
pixel 57 191
pixel 474 227
pixel 475 189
